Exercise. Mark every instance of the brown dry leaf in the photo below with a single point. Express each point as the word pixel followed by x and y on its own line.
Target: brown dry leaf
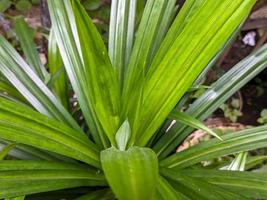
pixel 259 14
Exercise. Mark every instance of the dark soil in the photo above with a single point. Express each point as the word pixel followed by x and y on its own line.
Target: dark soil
pixel 254 94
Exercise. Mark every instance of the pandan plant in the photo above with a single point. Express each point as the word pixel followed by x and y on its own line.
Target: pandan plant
pixel 115 141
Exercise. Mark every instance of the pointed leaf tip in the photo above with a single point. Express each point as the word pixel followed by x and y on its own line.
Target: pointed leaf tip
pixel 123 135
pixel 192 122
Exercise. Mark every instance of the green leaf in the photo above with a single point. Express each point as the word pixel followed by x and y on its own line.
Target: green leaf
pixel 235 103
pixel 25 35
pixel 28 177
pixel 206 32
pixel 164 23
pixel 88 67
pixel 200 78
pixel 25 152
pixel 249 184
pixel 254 161
pixel 23 5
pixel 131 174
pixel 92 4
pixel 213 98
pixel 103 83
pixel 143 50
pixel 16 70
pixel 35 2
pixel 22 125
pixel 121 34
pixel 104 194
pixel 16 198
pixel 239 163
pixel 56 68
pixel 4 152
pixel 140 6
pixel 232 143
pixel 193 187
pixel 7 88
pixel 188 9
pixel 4 5
pixel 192 122
pixel 123 135
pixel 251 162
pixel 166 191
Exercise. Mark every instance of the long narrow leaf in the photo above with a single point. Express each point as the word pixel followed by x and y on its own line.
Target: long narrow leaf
pixel 8 89
pixel 200 189
pixel 69 45
pixel 24 152
pixel 219 92
pixel 232 143
pixel 163 25
pixel 16 198
pixel 248 184
pixel 105 194
pixel 103 85
pixel 185 14
pixel 254 161
pixel 121 34
pixel 56 69
pixel 88 67
pixel 25 35
pixel 192 122
pixel 142 52
pixel 16 70
pixel 198 81
pixel 22 125
pixel 4 152
pixel 239 163
pixel 166 191
pixel 207 32
pixel 29 177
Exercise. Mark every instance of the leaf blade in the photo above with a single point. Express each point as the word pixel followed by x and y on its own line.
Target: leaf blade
pixel 249 184
pixel 121 35
pixel 131 174
pixel 219 92
pixel 29 177
pixel 16 70
pixel 192 122
pixel 161 96
pixel 34 129
pixel 80 62
pixel 60 85
pixel 25 36
pixel 245 140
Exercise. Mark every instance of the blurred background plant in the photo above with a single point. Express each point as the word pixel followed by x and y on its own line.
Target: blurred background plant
pixel 20 5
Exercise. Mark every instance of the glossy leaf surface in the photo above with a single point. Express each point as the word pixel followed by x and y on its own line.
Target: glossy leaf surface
pixel 218 93
pixel 251 185
pixel 22 125
pixel 58 74
pixel 88 67
pixel 28 177
pixel 168 80
pixel 25 35
pixel 131 174
pixel 24 79
pixel 245 140
pixel 192 122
